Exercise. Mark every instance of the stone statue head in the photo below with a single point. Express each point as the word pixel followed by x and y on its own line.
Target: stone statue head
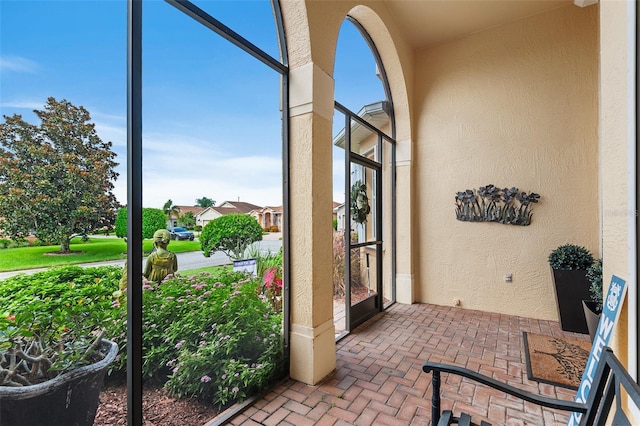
pixel 161 236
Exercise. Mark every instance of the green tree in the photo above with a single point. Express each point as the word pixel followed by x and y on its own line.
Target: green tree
pixel 152 220
pixel 188 220
pixel 56 179
pixel 170 210
pixel 205 202
pixel 230 234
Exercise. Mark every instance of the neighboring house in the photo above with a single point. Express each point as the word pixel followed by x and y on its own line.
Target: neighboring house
pixel 377 114
pixel 211 213
pixel 240 206
pixel 174 219
pixel 339 215
pixel 228 207
pixel 268 216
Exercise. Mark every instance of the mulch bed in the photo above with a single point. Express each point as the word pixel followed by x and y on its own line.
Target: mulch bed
pixel 158 407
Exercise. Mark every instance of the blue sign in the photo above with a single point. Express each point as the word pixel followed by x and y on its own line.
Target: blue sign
pixel 610 312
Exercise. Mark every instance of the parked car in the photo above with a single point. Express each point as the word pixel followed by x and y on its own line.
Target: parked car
pixel 180 234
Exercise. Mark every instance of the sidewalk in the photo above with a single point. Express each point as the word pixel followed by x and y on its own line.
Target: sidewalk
pixel 186 261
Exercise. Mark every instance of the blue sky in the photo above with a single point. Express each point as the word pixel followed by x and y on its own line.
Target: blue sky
pixel 211 119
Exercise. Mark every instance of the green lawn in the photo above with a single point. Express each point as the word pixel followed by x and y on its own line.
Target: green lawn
pixel 94 250
pixel 209 269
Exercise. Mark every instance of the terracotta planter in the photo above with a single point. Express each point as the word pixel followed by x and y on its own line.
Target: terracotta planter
pixel 591 316
pixel 572 287
pixel 70 399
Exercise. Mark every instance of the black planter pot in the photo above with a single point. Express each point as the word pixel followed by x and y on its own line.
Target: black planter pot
pixel 572 287
pixel 591 316
pixel 70 399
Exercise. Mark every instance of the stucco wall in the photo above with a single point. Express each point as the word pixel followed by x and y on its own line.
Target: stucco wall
pixel 515 105
pixel 618 187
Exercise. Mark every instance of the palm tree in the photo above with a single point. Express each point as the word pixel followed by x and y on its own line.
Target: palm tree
pixel 170 210
pixel 205 202
pixel 187 220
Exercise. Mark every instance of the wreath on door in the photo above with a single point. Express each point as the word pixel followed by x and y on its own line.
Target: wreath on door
pixel 359 202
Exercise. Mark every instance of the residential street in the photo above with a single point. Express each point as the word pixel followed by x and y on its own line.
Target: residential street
pixel 186 261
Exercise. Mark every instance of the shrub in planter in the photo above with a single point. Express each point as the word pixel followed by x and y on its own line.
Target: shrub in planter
pixel 52 325
pixel 58 315
pixel 594 275
pixel 71 398
pixel 593 308
pixel 569 264
pixel 571 257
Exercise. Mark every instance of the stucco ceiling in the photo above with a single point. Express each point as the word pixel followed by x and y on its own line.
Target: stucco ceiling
pixel 429 22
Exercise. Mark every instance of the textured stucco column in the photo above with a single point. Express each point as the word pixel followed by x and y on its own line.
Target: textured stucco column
pixel 313 354
pixel 405 286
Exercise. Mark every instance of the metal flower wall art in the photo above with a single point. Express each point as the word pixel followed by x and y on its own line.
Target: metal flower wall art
pixel 489 203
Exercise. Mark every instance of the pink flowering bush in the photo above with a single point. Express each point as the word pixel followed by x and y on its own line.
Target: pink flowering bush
pixel 217 337
pixel 226 344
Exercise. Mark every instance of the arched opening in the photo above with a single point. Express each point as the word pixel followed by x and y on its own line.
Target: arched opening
pixel 364 181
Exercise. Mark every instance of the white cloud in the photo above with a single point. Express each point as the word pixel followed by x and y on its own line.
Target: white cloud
pixel 17 64
pixel 185 168
pixel 113 133
pixel 98 114
pixel 110 127
pixel 185 191
pixel 22 104
pixel 253 179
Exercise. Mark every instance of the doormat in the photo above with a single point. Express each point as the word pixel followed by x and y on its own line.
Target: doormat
pixel 556 361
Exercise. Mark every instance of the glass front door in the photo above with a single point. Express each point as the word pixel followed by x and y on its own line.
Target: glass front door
pixel 364 260
pixel 363 263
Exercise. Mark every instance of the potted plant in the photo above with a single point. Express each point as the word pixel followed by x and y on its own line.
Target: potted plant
pixel 593 308
pixel 569 264
pixel 53 354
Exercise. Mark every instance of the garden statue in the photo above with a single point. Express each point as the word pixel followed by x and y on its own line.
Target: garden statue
pixel 161 262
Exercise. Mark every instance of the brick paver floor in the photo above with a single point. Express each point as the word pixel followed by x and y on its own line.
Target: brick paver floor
pixel 379 379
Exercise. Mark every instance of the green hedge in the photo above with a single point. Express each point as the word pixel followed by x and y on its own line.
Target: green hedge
pixel 152 220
